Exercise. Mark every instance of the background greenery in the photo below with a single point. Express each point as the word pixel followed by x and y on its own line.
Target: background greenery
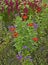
pixel 10 47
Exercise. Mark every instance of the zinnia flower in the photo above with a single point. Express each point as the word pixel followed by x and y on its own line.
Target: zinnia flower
pixel 30 24
pixel 24 17
pixel 11 28
pixel 15 34
pixel 35 39
pixel 45 5
pixel 38 9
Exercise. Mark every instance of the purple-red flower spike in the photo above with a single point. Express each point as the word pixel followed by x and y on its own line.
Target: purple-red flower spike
pixel 11 3
pixel 9 10
pixel 17 4
pixel 0 1
pixel 32 5
pixel 6 2
pixel 25 10
pixel 2 9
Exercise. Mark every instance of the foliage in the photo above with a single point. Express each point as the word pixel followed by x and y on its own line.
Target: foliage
pixel 23 33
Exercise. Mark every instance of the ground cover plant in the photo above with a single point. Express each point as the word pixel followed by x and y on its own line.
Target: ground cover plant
pixel 23 32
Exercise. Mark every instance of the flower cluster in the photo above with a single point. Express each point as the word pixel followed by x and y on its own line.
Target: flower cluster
pixel 24 22
pixel 14 33
pixel 15 6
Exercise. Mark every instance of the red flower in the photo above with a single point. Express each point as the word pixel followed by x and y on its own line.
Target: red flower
pixel 15 34
pixel 24 17
pixel 45 5
pixel 30 24
pixel 35 39
pixel 11 28
pixel 38 9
